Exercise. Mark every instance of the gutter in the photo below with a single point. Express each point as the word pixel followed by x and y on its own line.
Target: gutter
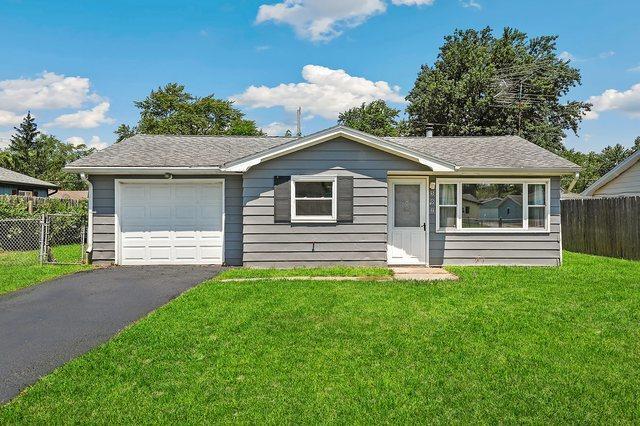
pixel 90 212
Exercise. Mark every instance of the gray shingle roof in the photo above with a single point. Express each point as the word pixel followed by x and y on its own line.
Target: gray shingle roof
pixel 486 151
pixel 178 151
pixel 9 176
pixel 502 152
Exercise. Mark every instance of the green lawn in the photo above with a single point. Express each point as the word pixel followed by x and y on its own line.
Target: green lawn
pixel 335 271
pixel 509 345
pixel 19 269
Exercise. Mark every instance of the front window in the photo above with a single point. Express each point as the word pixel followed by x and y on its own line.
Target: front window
pixel 495 205
pixel 26 193
pixel 447 205
pixel 313 199
pixel 477 205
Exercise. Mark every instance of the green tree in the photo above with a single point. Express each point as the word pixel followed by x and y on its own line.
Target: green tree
pixel 172 110
pixel 376 118
pixel 474 89
pixel 21 153
pixel 58 154
pixel 124 131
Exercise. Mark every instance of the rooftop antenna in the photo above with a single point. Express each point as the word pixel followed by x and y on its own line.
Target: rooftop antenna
pixel 513 87
pixel 298 122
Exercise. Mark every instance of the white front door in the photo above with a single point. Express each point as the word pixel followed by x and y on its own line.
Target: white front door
pixel 170 222
pixel 407 212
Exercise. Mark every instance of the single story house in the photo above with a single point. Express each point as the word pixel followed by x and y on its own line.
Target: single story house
pixel 621 181
pixel 338 196
pixel 14 183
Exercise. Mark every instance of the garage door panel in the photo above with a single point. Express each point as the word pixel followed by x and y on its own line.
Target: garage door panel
pixel 159 212
pixel 134 195
pixel 160 253
pixel 171 223
pixel 186 253
pixel 159 192
pixel 132 213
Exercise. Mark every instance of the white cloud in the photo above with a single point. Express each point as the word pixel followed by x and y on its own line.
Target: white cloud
pixel 627 101
pixel 471 4
pixel 49 91
pixel 84 119
pixel 278 129
pixel 566 56
pixel 412 2
pixel 325 92
pixel 320 20
pixel 95 142
pixel 634 69
pixel 8 118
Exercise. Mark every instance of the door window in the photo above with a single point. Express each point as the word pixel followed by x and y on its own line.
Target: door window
pixel 407 206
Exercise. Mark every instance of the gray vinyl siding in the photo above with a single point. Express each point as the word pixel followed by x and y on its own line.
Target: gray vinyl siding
pixel 626 183
pixel 104 217
pixel 363 242
pixel 535 249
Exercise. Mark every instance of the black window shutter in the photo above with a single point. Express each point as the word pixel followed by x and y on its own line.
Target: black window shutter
pixel 345 199
pixel 282 199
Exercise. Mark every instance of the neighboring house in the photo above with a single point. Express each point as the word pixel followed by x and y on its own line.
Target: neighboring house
pixel 71 195
pixel 623 180
pixel 470 206
pixel 502 212
pixel 14 183
pixel 336 196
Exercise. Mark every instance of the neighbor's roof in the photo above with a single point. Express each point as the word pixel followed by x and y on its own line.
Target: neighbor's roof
pixel 481 152
pixel 9 176
pixel 71 195
pixel 612 174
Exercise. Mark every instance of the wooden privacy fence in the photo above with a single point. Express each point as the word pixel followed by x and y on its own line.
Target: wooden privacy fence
pixel 602 226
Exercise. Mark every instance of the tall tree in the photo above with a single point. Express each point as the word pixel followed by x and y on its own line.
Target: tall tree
pixel 172 110
pixel 21 151
pixel 487 85
pixel 376 118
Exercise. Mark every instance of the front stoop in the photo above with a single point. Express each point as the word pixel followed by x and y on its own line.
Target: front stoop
pixel 422 273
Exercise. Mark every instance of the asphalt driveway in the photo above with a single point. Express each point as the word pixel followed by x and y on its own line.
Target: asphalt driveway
pixel 44 326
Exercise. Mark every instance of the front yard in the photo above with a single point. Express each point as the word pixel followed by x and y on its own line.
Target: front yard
pixel 500 345
pixel 19 269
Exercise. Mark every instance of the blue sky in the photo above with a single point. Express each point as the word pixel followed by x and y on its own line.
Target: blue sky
pixel 79 65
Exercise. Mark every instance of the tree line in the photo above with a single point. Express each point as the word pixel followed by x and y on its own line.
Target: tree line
pixel 480 85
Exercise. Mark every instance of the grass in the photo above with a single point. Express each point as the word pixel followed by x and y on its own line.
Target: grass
pixel 19 269
pixel 333 271
pixel 508 345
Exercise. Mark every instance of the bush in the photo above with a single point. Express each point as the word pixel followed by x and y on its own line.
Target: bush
pixel 12 207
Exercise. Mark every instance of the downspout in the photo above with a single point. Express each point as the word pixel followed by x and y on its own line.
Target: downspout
pixel 90 212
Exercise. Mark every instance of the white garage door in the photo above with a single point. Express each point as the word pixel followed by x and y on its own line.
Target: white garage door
pixel 171 223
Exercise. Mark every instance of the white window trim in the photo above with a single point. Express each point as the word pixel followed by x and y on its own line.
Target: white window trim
pixel 334 199
pixel 525 208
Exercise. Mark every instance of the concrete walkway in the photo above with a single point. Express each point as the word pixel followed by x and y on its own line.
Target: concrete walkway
pixel 422 273
pixel 46 325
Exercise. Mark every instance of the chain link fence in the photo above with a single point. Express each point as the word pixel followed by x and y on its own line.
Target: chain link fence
pixel 52 238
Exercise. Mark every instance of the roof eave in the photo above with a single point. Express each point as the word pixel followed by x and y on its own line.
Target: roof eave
pixel 114 170
pixel 517 171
